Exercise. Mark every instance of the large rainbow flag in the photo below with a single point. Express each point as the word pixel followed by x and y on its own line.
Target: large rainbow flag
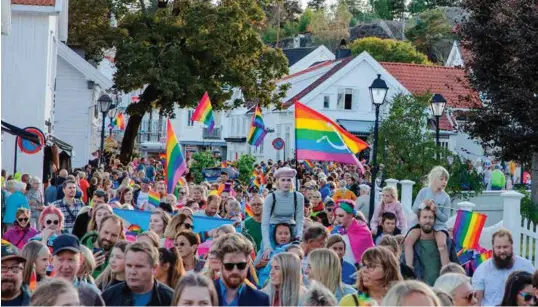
pixel 204 113
pixel 175 163
pixel 468 228
pixel 319 138
pixel 257 129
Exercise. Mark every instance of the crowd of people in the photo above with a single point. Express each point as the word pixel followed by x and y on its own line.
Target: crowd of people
pixel 301 238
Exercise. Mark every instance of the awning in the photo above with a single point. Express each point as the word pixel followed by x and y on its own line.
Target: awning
pixel 236 139
pixel 363 127
pixel 14 130
pixel 65 147
pixel 199 143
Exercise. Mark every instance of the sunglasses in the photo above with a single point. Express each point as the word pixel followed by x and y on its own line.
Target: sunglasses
pixel 182 193
pixel 527 297
pixel 56 222
pixel 22 219
pixel 230 266
pixel 187 226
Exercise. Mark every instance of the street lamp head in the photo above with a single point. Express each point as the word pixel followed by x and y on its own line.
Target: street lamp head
pixel 378 91
pixel 438 104
pixel 104 103
pixel 112 112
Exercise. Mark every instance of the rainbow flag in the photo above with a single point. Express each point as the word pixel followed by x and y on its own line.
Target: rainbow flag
pixel 204 113
pixel 32 284
pixel 175 163
pixel 309 165
pixel 257 129
pixel 154 198
pixel 481 258
pixel 182 182
pixel 223 164
pixel 324 167
pixel 468 228
pixel 119 121
pixel 319 138
pixel 248 210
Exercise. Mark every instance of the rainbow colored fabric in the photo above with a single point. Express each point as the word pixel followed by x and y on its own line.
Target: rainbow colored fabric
pixel 482 257
pixel 119 121
pixel 257 129
pixel 175 163
pixel 154 198
pixel 204 113
pixel 319 138
pixel 308 164
pixel 468 228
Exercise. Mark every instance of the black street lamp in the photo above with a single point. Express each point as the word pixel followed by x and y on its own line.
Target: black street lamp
pixel 378 94
pixel 105 102
pixel 438 104
pixel 111 115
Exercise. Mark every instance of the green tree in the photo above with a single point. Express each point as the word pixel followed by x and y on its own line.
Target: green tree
pixel 305 20
pixel 501 38
pixel 388 50
pixel 330 27
pixel 178 53
pixel 419 6
pixel 427 30
pixel 245 166
pixel 201 161
pixel 389 9
pixel 316 4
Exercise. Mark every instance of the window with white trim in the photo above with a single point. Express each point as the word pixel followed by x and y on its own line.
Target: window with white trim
pixel 190 123
pixel 345 99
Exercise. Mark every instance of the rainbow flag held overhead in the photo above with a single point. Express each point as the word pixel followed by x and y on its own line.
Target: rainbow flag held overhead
pixel 154 198
pixel 468 228
pixel 308 164
pixel 481 258
pixel 319 138
pixel 204 113
pixel 175 163
pixel 257 129
pixel 119 121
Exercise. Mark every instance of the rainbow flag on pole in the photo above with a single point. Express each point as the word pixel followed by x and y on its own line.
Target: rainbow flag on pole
pixel 119 121
pixel 481 258
pixel 204 113
pixel 257 129
pixel 154 198
pixel 319 138
pixel 468 228
pixel 308 164
pixel 175 163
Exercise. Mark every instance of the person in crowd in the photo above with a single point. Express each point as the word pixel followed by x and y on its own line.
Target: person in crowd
pixel 395 248
pixel 99 212
pixel 498 180
pixel 444 298
pixel 324 266
pixel 14 201
pixel 489 278
pixel 171 199
pixel 353 230
pixel 285 284
pixel 181 196
pixel 324 189
pixel 343 192
pixel 115 271
pixel 233 250
pixel 199 196
pixel 459 287
pixel 213 204
pixel 387 227
pixel 35 200
pixel 98 197
pixel 66 262
pixel 233 209
pixel 212 265
pixel 56 292
pixel 282 206
pixel 352 185
pixel 149 237
pixel 410 293
pixel 69 205
pixel 21 231
pixel 142 195
pixel 389 203
pixel 437 200
pixel 426 254
pixel 158 222
pixel 170 268
pixel 314 237
pixel 362 203
pixel 252 226
pixel 452 268
pixel 178 223
pixel 318 295
pixel 37 257
pixel 87 265
pixel 102 242
pixel 51 223
pixel 281 236
pixel 518 290
pixel 50 192
pixel 187 243
pixel 195 290
pixel 84 185
pixel 14 291
pixel 316 204
pixel 338 245
pixel 127 198
pixel 140 287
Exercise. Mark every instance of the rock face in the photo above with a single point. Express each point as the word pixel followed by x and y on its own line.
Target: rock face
pixel 392 29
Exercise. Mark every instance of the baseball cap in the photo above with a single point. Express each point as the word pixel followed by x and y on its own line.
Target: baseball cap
pixel 146 181
pixel 9 251
pixel 65 242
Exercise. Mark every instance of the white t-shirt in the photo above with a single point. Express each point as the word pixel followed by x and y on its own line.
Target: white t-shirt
pixel 491 280
pixel 348 256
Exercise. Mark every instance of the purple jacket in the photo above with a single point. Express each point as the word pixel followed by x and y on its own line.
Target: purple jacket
pixel 18 236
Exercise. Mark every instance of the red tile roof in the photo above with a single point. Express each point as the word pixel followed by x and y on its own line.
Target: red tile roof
pixel 447 81
pixel 35 2
pixel 446 122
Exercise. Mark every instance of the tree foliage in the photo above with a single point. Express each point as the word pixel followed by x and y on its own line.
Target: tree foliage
pixel 317 4
pixel 389 9
pixel 427 30
pixel 419 6
pixel 329 27
pixel 388 50
pixel 501 37
pixel 245 166
pixel 200 161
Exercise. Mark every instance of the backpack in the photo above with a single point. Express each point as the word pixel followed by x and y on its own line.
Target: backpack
pixel 294 202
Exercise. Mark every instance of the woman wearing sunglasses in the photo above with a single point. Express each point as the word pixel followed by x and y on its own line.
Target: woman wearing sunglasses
pixel 51 224
pixel 459 287
pixel 518 290
pixel 21 232
pixel 177 223
pixel 187 243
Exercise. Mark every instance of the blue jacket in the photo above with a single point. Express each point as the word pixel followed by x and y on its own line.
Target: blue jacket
pixel 348 269
pixel 325 191
pixel 248 297
pixel 14 202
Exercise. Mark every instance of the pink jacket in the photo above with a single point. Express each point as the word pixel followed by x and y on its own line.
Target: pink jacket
pixel 18 236
pixel 360 239
pixel 395 208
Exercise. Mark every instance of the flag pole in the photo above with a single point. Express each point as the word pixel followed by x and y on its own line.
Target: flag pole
pixel 295 149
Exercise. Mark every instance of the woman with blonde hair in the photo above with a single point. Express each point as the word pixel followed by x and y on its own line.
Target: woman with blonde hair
pixel 98 213
pixel 178 223
pixel 195 290
pixel 56 292
pixel 410 293
pixel 38 259
pixel 389 203
pixel 459 287
pixel 324 266
pixel 87 265
pixel 149 237
pixel 115 271
pixel 285 284
pixel 336 243
pixel 22 231
pixel 158 222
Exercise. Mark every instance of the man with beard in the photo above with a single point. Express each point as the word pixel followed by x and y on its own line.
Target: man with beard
pixel 69 205
pixel 102 242
pixel 490 277
pixel 14 291
pixel 66 261
pixel 427 260
pixel 233 251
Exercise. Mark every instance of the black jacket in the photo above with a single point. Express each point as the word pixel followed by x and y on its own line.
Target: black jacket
pixel 81 224
pixel 249 296
pixel 121 295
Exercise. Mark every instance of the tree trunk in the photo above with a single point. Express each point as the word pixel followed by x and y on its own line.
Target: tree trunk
pixel 129 138
pixel 534 185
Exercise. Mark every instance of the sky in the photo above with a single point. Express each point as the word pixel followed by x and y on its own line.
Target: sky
pixel 304 2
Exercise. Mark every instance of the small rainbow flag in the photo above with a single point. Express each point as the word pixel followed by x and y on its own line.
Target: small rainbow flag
pixel 182 182
pixel 248 210
pixel 468 228
pixel 175 163
pixel 481 258
pixel 119 121
pixel 223 164
pixel 309 165
pixel 32 284
pixel 330 228
pixel 257 129
pixel 324 167
pixel 319 138
pixel 154 198
pixel 134 228
pixel 204 113
pixel 131 182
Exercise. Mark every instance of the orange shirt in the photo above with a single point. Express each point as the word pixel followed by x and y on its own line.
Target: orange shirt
pixel 347 194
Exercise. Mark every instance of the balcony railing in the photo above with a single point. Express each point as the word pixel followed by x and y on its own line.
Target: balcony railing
pixel 214 135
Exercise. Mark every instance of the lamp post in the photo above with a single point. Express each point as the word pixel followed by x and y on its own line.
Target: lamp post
pixel 111 115
pixel 438 104
pixel 378 93
pixel 104 105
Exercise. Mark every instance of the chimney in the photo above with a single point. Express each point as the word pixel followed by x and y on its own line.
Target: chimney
pixel 343 51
